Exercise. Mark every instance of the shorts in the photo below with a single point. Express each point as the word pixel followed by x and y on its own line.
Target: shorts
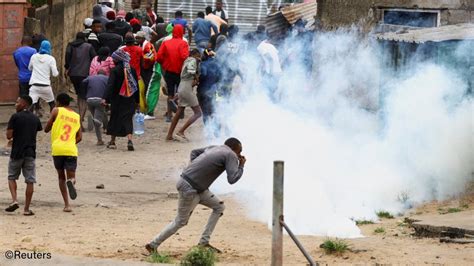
pixel 187 97
pixel 25 165
pixel 172 83
pixel 43 92
pixel 68 163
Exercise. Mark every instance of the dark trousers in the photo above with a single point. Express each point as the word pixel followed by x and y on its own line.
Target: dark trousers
pixel 172 82
pixel 24 88
pixel 146 76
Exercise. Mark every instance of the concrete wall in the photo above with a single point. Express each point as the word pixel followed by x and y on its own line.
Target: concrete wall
pixel 60 22
pixel 366 13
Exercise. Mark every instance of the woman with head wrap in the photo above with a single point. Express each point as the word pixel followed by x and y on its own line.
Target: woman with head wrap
pixel 102 61
pixel 122 94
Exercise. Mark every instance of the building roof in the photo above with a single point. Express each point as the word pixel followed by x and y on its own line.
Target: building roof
pixel 437 34
pixel 279 22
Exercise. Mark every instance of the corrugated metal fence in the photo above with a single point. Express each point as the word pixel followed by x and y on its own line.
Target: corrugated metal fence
pixel 246 14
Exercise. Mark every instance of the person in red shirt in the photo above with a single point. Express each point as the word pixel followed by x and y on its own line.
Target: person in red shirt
pixel 135 52
pixel 171 56
pixel 136 58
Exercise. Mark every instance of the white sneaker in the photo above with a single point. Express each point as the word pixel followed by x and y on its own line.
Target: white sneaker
pixel 149 117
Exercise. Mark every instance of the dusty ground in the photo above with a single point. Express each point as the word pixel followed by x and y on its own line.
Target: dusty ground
pixel 116 222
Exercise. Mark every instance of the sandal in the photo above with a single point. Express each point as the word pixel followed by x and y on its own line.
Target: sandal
pixel 12 207
pixel 71 189
pixel 111 146
pixel 130 146
pixel 29 213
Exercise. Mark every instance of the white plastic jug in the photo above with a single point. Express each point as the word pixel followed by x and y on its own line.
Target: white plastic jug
pixel 139 123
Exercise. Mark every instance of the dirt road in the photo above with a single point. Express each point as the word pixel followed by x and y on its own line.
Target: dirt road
pixel 138 201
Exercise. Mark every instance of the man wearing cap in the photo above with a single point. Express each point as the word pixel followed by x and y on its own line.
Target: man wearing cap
pixel 150 34
pixel 93 38
pixel 87 27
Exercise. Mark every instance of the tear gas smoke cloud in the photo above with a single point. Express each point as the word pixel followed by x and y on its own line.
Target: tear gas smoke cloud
pixel 346 155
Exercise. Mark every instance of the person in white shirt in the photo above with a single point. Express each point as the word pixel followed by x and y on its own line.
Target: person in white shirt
pixel 271 70
pixel 216 20
pixel 220 12
pixel 42 65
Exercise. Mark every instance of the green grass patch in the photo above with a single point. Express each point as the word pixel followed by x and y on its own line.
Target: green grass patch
pixel 156 257
pixel 384 214
pixel 449 210
pixel 379 230
pixel 362 222
pixel 199 256
pixel 334 246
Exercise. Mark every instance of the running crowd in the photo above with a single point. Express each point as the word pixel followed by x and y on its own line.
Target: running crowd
pixel 118 66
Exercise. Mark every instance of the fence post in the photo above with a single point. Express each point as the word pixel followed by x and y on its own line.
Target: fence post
pixel 277 229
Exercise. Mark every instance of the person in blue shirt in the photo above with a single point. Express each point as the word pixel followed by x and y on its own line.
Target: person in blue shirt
pixel 202 31
pixel 178 19
pixel 22 58
pixel 209 78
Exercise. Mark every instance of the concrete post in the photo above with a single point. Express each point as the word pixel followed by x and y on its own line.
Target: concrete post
pixel 277 229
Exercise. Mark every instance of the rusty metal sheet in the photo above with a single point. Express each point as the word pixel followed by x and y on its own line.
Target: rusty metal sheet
pixel 245 14
pixel 279 22
pixel 276 24
pixel 305 11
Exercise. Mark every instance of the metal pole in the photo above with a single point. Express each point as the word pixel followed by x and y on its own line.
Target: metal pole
pixel 298 244
pixel 277 229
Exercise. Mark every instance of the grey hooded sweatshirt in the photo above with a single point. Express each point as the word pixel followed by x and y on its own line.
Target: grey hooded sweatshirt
pixel 207 164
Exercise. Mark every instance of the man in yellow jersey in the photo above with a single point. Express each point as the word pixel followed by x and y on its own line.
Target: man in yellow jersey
pixel 65 125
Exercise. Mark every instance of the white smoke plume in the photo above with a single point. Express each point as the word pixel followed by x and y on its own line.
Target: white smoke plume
pixel 355 139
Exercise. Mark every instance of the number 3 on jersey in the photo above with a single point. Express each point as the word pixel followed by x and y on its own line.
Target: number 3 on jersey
pixel 67 133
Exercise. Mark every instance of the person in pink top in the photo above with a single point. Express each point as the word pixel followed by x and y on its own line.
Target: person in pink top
pixel 103 61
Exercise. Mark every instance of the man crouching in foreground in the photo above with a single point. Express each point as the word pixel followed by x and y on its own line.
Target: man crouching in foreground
pixel 207 164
